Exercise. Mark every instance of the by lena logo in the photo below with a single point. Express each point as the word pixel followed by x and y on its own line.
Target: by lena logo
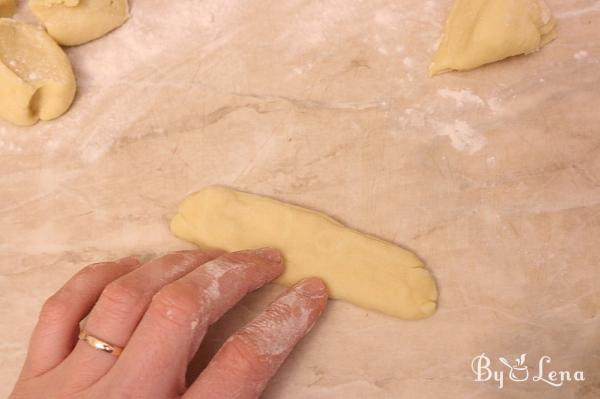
pixel 519 372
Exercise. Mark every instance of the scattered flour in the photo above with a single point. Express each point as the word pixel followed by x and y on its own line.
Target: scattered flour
pixel 300 70
pixel 408 62
pixel 461 97
pixel 103 136
pixel 462 136
pixel 174 272
pixel 275 332
pixel 194 324
pixel 53 144
pixel 385 18
pixel 430 5
pixel 213 291
pixel 434 46
pixel 218 267
pixel 495 104
pixel 186 262
pixel 413 118
pixel 10 147
pixel 434 114
pixel 579 12
pixel 580 55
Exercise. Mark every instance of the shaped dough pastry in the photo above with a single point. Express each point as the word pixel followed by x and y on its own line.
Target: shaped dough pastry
pixel 36 78
pixel 482 31
pixel 358 268
pixel 73 22
pixel 7 8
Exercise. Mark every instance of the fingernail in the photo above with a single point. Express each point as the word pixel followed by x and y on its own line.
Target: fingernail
pixel 128 261
pixel 269 254
pixel 311 286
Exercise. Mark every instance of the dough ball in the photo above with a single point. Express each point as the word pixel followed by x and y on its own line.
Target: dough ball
pixel 73 22
pixel 36 78
pixel 479 32
pixel 7 8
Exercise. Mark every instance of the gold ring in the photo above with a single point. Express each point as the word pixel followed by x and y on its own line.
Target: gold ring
pixel 99 344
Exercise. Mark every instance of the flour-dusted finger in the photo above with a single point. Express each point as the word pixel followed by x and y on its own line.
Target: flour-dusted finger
pixel 248 360
pixel 120 308
pixel 56 332
pixel 179 315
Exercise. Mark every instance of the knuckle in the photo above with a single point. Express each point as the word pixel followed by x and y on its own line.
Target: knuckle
pixel 122 295
pixel 54 309
pixel 247 359
pixel 177 304
pixel 87 272
pixel 240 257
pixel 95 265
pixel 172 259
pixel 177 257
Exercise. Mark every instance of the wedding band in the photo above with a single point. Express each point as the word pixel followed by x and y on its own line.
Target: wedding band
pixel 99 344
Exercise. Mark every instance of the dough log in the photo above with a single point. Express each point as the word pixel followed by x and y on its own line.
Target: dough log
pixel 36 78
pixel 479 32
pixel 74 22
pixel 356 267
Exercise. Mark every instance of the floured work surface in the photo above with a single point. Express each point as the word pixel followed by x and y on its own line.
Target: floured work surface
pixel 491 176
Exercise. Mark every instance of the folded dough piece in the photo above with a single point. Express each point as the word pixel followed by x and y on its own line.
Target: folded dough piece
pixel 356 267
pixel 7 8
pixel 74 22
pixel 478 32
pixel 36 78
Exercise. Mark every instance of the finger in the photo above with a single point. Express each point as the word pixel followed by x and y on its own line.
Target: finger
pixel 248 360
pixel 120 308
pixel 179 315
pixel 55 334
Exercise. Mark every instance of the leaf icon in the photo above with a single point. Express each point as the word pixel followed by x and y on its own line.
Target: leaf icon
pixel 505 362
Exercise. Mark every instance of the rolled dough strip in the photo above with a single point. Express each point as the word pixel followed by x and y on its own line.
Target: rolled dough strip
pixel 356 267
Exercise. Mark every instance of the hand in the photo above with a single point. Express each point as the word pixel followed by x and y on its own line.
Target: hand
pixel 158 312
